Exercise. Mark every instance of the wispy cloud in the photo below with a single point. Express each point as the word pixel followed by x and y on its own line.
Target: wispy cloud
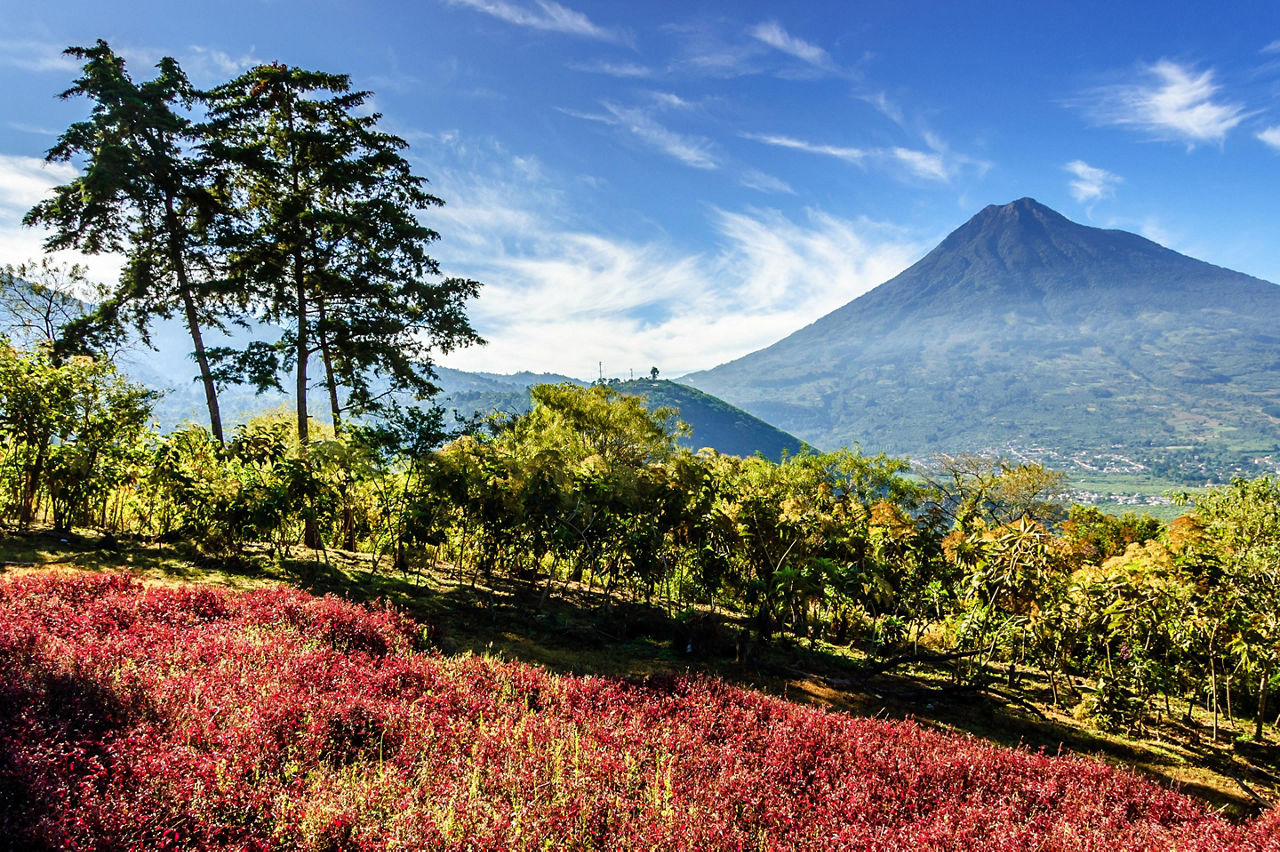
pixel 709 50
pixel 625 70
pixel 24 182
pixel 1170 102
pixel 937 163
pixel 693 151
pixel 885 107
pixel 1156 231
pixel 849 155
pixel 764 182
pixel 202 64
pixel 559 297
pixel 543 15
pixel 773 34
pixel 219 61
pixel 1271 136
pixel 1089 183
pixel 34 55
pixel 33 129
pixel 930 165
pixel 668 100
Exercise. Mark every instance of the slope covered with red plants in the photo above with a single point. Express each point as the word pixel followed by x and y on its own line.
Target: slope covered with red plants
pixel 194 717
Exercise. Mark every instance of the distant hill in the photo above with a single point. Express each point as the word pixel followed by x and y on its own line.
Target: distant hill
pixel 715 423
pixel 459 381
pixel 1023 330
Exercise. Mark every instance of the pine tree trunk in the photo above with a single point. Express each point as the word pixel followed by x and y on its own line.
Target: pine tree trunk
pixel 310 531
pixel 192 317
pixel 202 361
pixel 330 381
pixel 301 352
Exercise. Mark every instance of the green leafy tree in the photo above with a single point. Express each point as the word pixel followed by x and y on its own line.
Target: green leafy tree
pixel 1010 575
pixel 973 489
pixel 1100 536
pixel 1243 520
pixel 1126 625
pixel 67 429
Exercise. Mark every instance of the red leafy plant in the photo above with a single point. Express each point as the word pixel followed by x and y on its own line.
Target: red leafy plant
pixel 190 717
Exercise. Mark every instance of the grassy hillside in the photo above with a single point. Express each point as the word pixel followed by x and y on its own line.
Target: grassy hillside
pixel 192 717
pixel 715 423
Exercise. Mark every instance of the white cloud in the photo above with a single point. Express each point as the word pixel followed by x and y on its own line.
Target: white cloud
pixel 936 164
pixel 626 70
pixel 560 298
pixel 725 63
pixel 930 165
pixel 705 52
pixel 32 55
pixel 772 34
pixel 24 182
pixel 34 129
pixel 764 182
pixel 208 61
pixel 204 65
pixel 1153 230
pixel 693 151
pixel 849 155
pixel 1171 102
pixel 1090 183
pixel 542 15
pixel 1271 136
pixel 667 100
pixel 886 107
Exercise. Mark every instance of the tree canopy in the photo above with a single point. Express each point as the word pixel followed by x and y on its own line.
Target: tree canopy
pixel 273 198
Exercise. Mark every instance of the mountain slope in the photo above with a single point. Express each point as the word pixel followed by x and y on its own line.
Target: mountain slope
pixel 1024 329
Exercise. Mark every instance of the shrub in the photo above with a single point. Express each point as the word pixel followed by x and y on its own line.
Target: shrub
pixel 192 718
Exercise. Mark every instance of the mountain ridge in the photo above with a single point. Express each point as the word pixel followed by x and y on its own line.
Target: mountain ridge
pixel 1023 328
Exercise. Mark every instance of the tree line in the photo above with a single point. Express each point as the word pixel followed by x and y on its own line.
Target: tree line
pixel 972 560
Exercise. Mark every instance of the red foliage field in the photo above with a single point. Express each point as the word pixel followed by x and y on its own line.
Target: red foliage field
pixel 192 717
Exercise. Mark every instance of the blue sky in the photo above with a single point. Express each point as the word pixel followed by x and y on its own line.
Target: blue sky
pixel 677 184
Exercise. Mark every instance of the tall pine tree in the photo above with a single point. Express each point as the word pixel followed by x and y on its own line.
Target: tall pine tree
pixel 329 242
pixel 144 191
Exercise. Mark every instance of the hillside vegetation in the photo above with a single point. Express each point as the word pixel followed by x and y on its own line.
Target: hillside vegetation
pixel 974 567
pixel 712 422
